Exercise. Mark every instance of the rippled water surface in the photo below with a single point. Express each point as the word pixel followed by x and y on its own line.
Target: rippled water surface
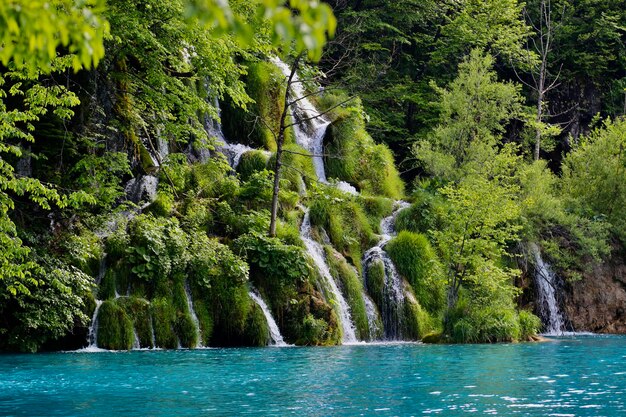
pixel 580 376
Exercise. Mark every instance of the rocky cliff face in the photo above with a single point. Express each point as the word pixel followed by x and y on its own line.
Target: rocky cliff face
pixel 597 303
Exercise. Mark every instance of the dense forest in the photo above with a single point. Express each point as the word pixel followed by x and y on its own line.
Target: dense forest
pixel 183 173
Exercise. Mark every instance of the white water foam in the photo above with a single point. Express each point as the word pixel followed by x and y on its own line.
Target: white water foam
pixel 546 282
pixel 275 336
pixel 316 252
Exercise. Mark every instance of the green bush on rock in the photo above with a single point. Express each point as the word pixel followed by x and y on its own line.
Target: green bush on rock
pixel 418 263
pixel 115 328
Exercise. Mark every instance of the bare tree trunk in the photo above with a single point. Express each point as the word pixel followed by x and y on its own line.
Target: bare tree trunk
pixel 542 81
pixel 541 95
pixel 280 140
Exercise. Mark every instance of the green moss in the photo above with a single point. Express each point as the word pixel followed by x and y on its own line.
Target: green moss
pixel 163 204
pixel 122 277
pixel 312 322
pixel 426 213
pixel 432 338
pixel 186 330
pixel 357 159
pixel 250 162
pixel 351 288
pixel 106 290
pixel 265 84
pixel 487 324
pixel 345 221
pixel 115 329
pixel 163 319
pixel 415 259
pixel 376 208
pixel 118 241
pixel 205 320
pixel 257 332
pixel 418 322
pixel 298 168
pixel 184 325
pixel 375 281
pixel 138 310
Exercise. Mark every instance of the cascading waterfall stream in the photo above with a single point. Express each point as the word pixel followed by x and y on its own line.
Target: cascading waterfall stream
pixel 393 290
pixel 546 283
pixel 93 328
pixel 192 313
pixel 309 126
pixel 276 339
pixel 316 252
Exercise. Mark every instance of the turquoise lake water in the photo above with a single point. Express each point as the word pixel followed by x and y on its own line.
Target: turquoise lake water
pixel 581 376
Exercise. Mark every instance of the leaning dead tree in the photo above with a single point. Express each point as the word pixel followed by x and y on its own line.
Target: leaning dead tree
pixel 290 100
pixel 280 141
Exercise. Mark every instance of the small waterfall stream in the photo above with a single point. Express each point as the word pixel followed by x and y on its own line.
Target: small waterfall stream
pixel 93 328
pixel 393 291
pixel 275 336
pixel 316 252
pixel 192 312
pixel 547 303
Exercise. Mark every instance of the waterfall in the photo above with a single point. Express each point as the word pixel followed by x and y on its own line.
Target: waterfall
pixel 374 320
pixel 136 342
pixel 162 147
pixel 192 312
pixel 234 152
pixel 547 303
pixel 309 126
pixel 142 188
pixel 275 336
pixel 392 308
pixel 346 188
pixel 93 328
pixel 316 252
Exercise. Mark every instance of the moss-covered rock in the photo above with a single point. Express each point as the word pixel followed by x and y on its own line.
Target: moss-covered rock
pixel 415 259
pixel 352 289
pixel 257 332
pixel 310 321
pixel 344 219
pixel 115 328
pixel 375 281
pixel 107 288
pixel 251 162
pixel 265 83
pixel 417 322
pixel 357 159
pixel 163 321
pixel 205 320
pixel 138 310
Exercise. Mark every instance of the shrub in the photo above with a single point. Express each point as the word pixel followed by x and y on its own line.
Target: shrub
pixel 251 162
pixel 417 262
pixel 115 329
pixel 529 324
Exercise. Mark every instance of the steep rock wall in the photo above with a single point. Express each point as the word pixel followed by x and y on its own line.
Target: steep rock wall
pixel 597 303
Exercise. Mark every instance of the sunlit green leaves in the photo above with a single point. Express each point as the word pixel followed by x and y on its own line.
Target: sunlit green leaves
pixel 32 30
pixel 304 23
